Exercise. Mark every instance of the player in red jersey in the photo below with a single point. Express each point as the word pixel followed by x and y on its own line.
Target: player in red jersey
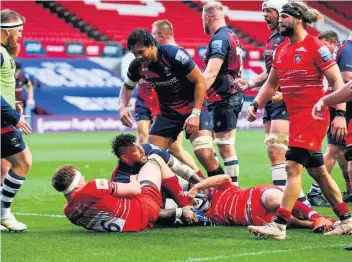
pixel 299 65
pixel 231 205
pixel 103 205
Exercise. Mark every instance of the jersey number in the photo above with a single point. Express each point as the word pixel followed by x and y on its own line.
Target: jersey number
pixel 110 226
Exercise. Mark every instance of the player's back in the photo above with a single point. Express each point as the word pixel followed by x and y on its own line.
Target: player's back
pixel 228 205
pixel 300 68
pixel 94 208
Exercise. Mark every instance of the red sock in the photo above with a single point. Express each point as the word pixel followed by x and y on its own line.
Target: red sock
pixel 173 189
pixel 341 210
pixel 283 213
pixel 305 210
pixel 200 174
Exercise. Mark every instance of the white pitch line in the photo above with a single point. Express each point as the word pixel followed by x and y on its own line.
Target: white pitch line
pixel 222 257
pixel 37 215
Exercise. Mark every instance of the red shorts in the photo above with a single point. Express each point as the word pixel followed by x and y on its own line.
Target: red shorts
pixel 260 214
pixel 150 203
pixel 348 137
pixel 306 132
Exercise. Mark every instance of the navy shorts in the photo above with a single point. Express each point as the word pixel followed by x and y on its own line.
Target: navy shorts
pixel 142 112
pixel 205 122
pixel 332 111
pixel 12 143
pixel 275 111
pixel 167 126
pixel 224 113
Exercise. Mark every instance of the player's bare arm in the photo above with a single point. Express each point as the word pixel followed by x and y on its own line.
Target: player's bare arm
pixel 192 122
pixel 242 85
pixel 212 71
pixel 265 94
pixel 338 125
pixel 185 214
pixel 125 96
pixel 214 181
pixel 183 170
pixel 131 189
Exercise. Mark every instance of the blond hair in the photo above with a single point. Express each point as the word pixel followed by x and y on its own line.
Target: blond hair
pixel 308 15
pixel 164 27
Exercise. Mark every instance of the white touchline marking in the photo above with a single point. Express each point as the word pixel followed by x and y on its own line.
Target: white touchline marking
pixel 37 215
pixel 254 253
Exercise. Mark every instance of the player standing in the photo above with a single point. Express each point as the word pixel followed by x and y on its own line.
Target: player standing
pixel 299 65
pixel 13 148
pixel 223 64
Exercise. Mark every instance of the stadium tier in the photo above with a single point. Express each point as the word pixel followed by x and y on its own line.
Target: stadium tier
pixel 43 25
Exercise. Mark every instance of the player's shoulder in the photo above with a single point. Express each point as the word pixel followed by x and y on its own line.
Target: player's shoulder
pixel 97 184
pixel 169 50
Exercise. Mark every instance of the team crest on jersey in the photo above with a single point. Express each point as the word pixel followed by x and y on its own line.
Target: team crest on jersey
pixel 15 141
pixel 102 184
pixel 298 58
pixel 167 71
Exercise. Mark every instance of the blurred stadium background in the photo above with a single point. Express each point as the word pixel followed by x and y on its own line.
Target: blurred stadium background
pixel 75 54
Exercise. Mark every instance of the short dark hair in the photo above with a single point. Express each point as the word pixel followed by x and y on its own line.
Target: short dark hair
pixel 120 141
pixel 140 37
pixel 63 177
pixel 329 35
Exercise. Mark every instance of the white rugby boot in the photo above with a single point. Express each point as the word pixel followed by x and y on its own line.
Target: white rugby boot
pixel 11 223
pixel 343 227
pixel 270 230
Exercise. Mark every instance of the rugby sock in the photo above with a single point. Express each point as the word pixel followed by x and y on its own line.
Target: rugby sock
pixel 341 210
pixel 232 168
pixel 278 173
pixel 306 211
pixel 173 189
pixel 200 174
pixel 314 189
pixel 218 171
pixel 11 185
pixel 282 216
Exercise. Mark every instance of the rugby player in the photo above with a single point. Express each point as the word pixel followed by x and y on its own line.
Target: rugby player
pixel 299 65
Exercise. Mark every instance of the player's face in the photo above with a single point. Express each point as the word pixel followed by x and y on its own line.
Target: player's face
pixel 12 46
pixel 145 55
pixel 157 36
pixel 134 156
pixel 205 20
pixel 330 44
pixel 271 17
pixel 286 24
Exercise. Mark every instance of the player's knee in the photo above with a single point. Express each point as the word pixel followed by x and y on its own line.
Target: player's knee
pixel 142 138
pixel 348 153
pixel 277 141
pixel 202 142
pixel 226 146
pixel 23 161
pixel 336 151
pixel 292 169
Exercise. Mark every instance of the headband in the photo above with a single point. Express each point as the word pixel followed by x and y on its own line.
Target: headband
pixel 74 183
pixel 10 26
pixel 293 12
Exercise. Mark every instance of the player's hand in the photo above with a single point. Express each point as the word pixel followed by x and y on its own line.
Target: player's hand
pixel 339 128
pixel 23 126
pixel 277 97
pixel 126 117
pixel 318 110
pixel 188 216
pixel 19 108
pixel 192 122
pixel 251 114
pixel 241 84
pixel 31 102
pixel 192 194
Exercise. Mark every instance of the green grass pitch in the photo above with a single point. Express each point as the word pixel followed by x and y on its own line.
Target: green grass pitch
pixel 50 237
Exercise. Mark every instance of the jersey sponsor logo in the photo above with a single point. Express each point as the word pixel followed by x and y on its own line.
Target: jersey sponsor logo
pixel 102 184
pixel 168 82
pixel 182 57
pixel 216 46
pixel 298 58
pixel 325 53
pixel 301 49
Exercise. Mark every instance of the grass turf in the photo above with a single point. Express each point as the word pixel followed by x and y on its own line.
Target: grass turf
pixel 53 238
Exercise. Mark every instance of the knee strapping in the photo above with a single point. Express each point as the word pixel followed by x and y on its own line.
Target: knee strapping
pixel 225 140
pixel 277 140
pixel 202 142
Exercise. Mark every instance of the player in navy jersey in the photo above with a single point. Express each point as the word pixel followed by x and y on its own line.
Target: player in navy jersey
pixel 336 144
pixel 202 140
pixel 223 64
pixel 275 113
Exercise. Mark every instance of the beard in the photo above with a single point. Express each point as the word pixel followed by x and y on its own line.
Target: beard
pixel 12 46
pixel 286 31
pixel 206 30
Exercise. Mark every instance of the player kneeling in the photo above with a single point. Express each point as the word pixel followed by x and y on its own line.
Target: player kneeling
pixel 255 206
pixel 103 205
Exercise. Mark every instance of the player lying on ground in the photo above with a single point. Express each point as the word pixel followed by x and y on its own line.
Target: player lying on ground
pixel 230 205
pixel 104 205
